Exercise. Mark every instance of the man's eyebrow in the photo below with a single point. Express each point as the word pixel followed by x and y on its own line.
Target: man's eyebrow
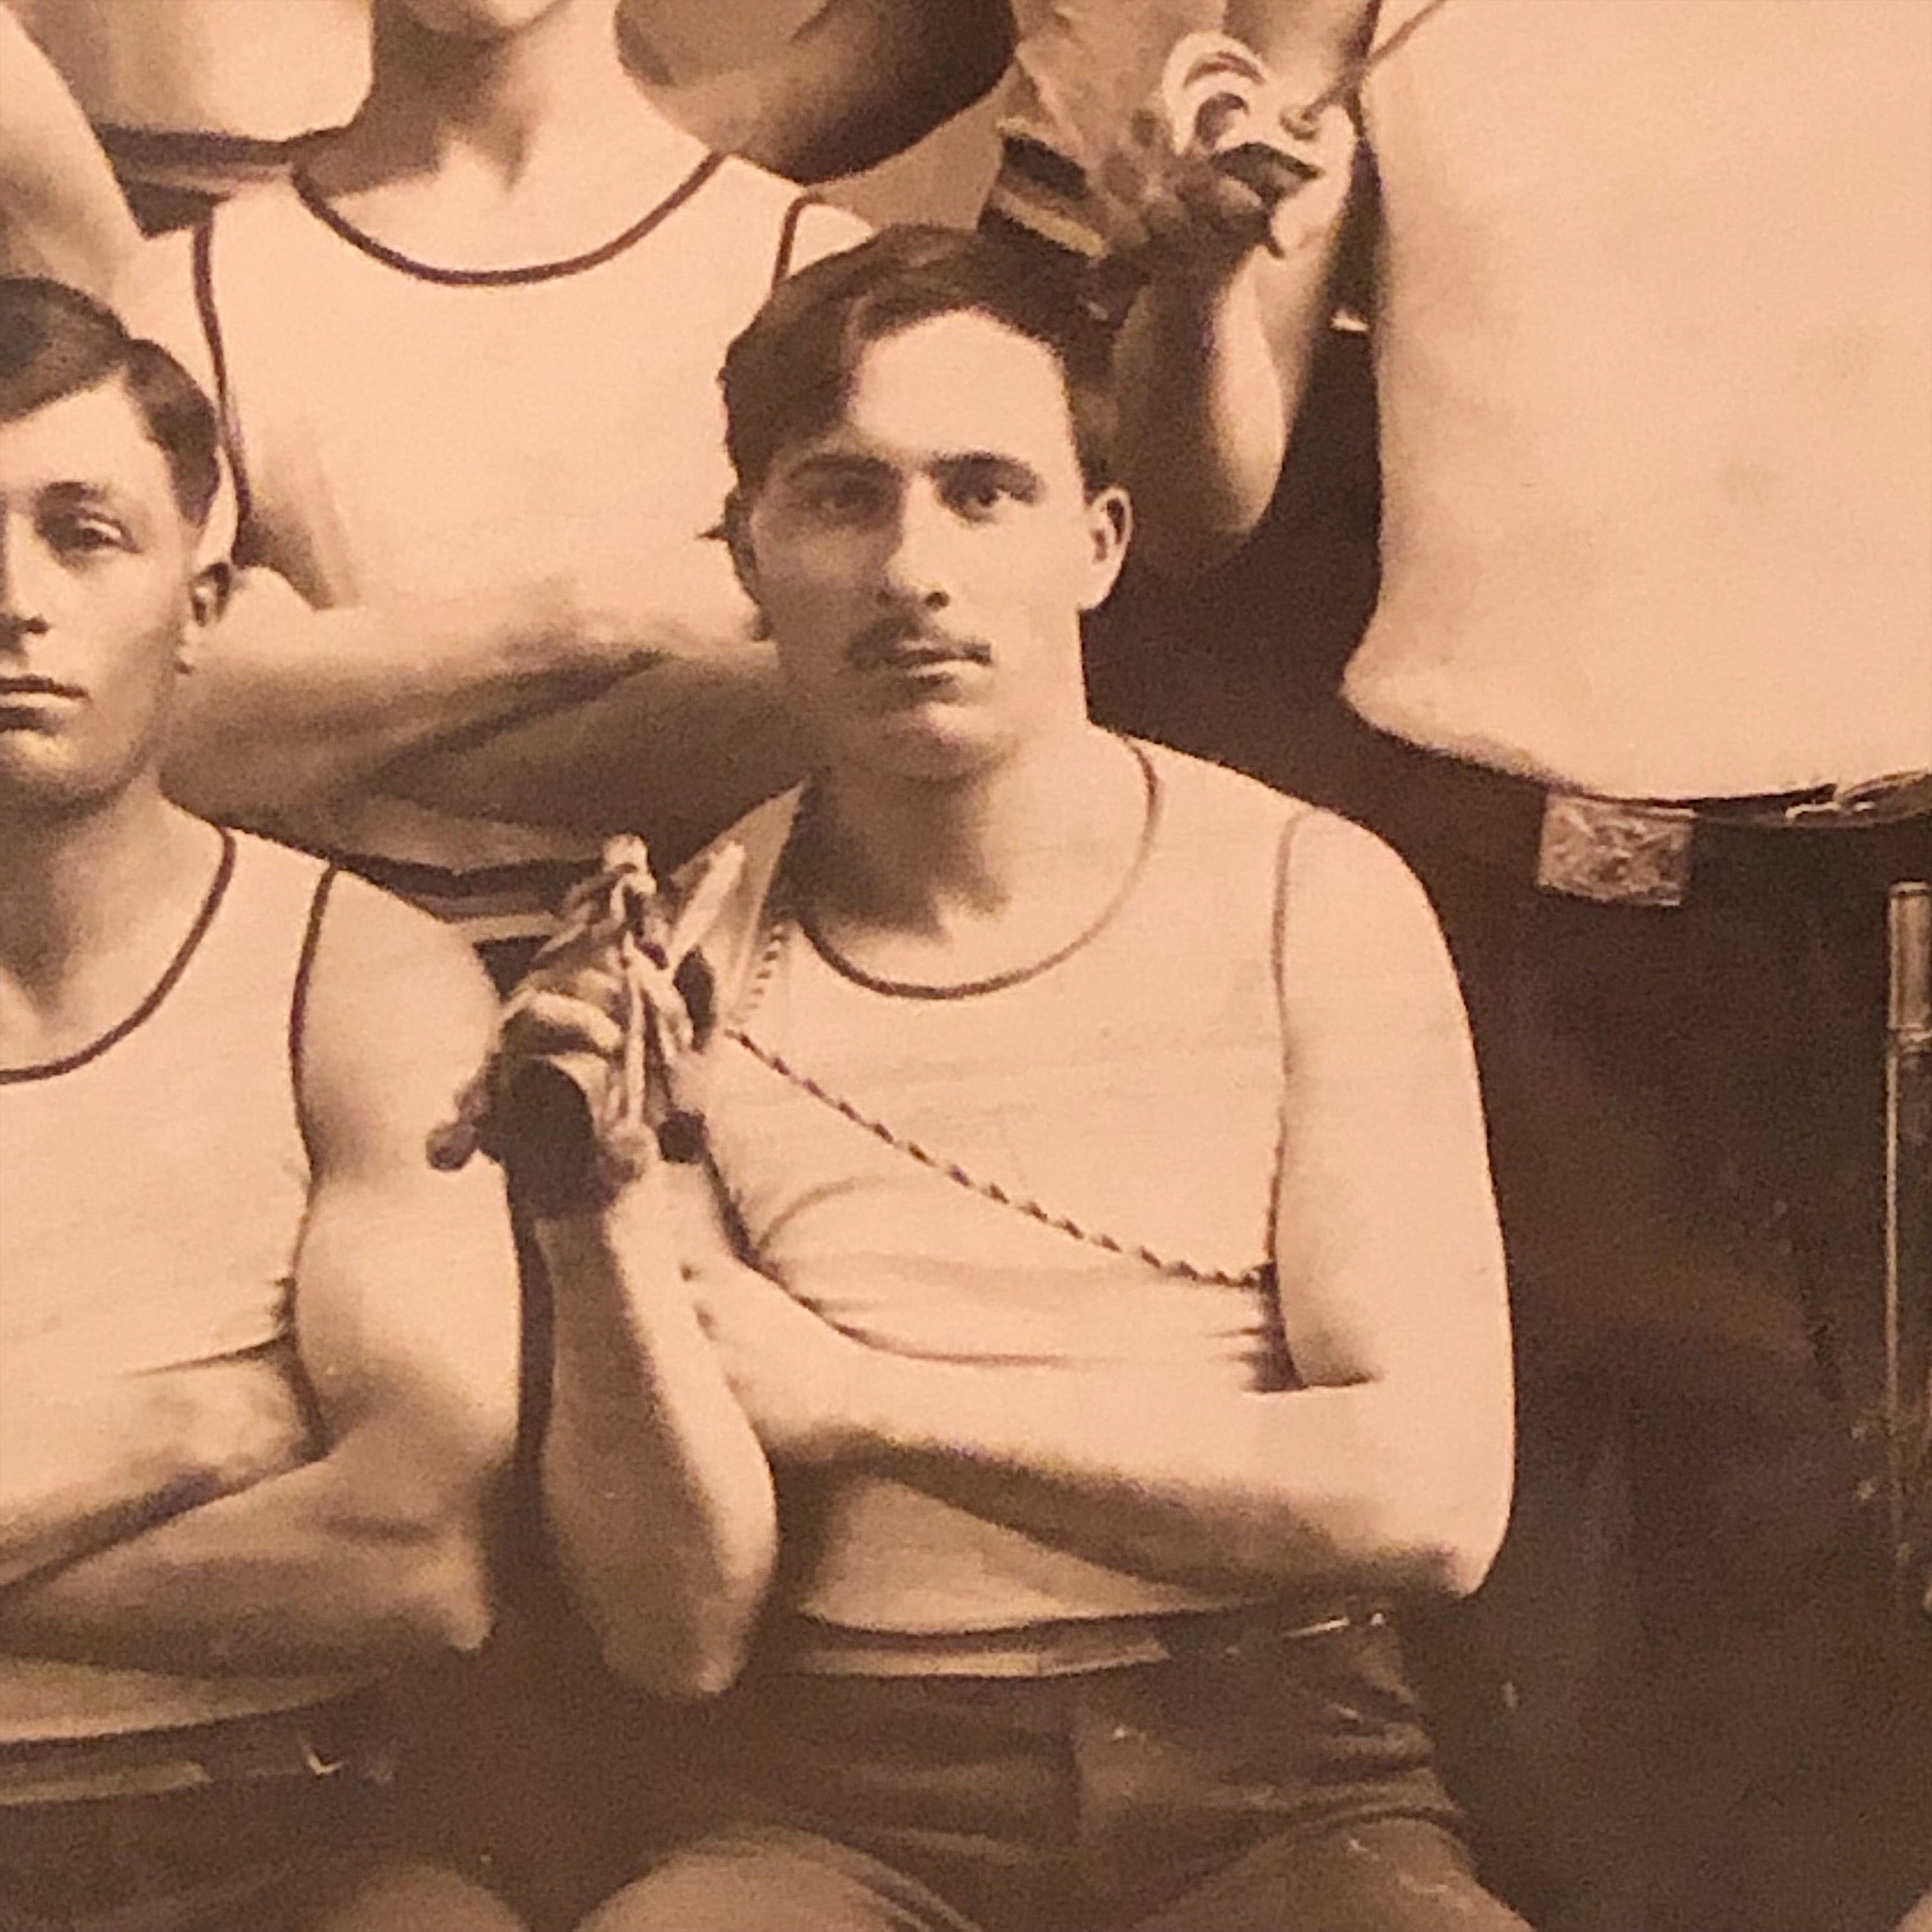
pixel 1012 470
pixel 832 462
pixel 84 493
pixel 987 459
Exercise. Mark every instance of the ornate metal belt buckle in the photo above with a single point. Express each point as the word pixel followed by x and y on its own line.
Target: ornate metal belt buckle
pixel 1613 852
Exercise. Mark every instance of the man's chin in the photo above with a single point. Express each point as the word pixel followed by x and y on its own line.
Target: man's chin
pixel 935 743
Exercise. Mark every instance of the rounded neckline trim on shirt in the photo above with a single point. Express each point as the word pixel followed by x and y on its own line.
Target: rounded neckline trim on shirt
pixel 998 982
pixel 170 977
pixel 339 224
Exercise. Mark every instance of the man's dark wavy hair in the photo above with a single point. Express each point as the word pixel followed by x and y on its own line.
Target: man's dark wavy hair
pixel 788 377
pixel 56 342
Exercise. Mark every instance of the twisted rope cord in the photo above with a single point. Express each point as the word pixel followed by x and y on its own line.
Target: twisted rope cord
pixel 784 924
pixel 987 1190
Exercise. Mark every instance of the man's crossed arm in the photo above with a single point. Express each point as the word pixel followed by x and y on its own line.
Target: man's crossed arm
pixel 1392 1466
pixel 1389 1469
pixel 372 1548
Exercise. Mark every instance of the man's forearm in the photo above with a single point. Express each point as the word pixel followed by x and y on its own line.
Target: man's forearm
pixel 1206 405
pixel 675 752
pixel 61 211
pixel 1213 370
pixel 1215 355
pixel 1326 1487
pixel 659 1495
pixel 290 704
pixel 348 1563
pixel 79 1476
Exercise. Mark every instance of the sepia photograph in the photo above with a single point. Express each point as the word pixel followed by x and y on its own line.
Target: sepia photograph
pixel 965 966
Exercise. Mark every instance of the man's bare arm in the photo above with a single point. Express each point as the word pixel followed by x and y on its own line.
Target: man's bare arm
pixel 1215 353
pixel 860 80
pixel 61 211
pixel 102 1464
pixel 660 1500
pixel 676 752
pixel 290 704
pixel 405 1318
pixel 1392 1466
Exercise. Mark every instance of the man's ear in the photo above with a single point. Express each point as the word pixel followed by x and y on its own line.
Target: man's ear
pixel 734 528
pixel 208 591
pixel 1110 523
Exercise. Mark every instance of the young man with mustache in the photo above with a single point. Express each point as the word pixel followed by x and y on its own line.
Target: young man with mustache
pixel 1116 1323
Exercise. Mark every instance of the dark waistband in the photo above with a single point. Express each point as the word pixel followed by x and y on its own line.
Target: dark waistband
pixel 803 1646
pixel 347 1735
pixel 1502 816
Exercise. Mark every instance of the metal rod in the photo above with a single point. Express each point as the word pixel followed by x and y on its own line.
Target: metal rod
pixel 1908 1064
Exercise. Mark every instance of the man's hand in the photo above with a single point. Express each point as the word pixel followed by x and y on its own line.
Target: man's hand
pixel 1222 162
pixel 576 1092
pixel 800 1380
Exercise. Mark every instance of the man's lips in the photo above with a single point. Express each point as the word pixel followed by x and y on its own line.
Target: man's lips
pixel 895 648
pixel 30 686
pixel 33 704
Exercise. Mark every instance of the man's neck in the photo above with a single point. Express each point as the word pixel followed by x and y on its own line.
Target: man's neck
pixel 975 875
pixel 512 109
pixel 91 910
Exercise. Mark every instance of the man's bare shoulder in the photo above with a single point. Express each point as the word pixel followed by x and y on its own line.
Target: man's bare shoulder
pixel 397 1015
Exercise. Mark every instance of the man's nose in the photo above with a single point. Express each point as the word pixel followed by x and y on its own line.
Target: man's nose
pixel 917 567
pixel 23 586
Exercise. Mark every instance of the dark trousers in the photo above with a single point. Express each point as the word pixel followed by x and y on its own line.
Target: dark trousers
pixel 1255 1781
pixel 276 1855
pixel 1679 1703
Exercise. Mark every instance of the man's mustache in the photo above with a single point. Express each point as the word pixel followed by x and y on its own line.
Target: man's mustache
pixel 903 640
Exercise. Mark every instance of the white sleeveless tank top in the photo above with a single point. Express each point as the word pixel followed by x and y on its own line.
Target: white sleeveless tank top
pixel 1073 1169
pixel 155 1185
pixel 400 429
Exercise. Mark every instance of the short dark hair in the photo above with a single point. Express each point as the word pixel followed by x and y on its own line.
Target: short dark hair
pixel 56 342
pixel 788 377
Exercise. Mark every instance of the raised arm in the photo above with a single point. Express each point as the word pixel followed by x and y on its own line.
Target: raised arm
pixel 1391 1467
pixel 1214 353
pixel 659 1499
pixel 405 1318
pixel 61 211
pixel 860 80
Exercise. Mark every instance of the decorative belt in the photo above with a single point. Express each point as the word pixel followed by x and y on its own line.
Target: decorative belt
pixel 349 1734
pixel 1615 851
pixel 1629 851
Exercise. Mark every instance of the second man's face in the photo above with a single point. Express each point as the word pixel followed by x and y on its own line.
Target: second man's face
pixel 98 589
pixel 924 564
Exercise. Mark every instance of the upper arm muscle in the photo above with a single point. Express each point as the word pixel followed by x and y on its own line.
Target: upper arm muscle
pixel 407 1305
pixel 1390 1257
